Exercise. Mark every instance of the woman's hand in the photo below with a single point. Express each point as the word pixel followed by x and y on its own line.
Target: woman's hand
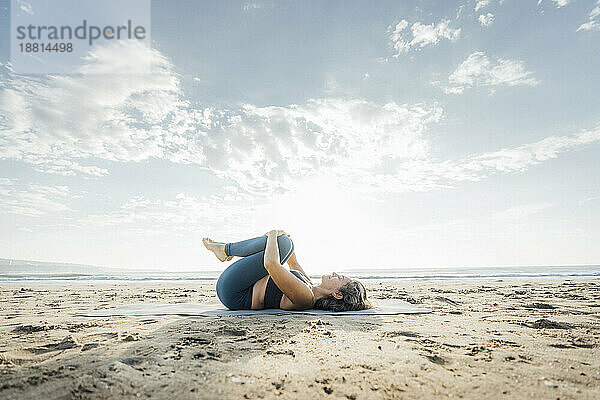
pixel 276 232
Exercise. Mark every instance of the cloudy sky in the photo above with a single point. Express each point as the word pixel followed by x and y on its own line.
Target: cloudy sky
pixel 386 134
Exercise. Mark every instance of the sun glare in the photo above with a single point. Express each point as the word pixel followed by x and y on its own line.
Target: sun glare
pixel 319 215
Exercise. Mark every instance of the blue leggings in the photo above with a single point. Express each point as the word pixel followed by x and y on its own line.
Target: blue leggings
pixel 234 287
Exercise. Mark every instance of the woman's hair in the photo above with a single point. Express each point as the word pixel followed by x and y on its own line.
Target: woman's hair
pixel 354 298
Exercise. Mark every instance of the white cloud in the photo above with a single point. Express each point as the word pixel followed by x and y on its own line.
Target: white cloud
pixel 423 174
pixel 587 200
pixel 522 157
pixel 251 6
pixel 478 70
pixel 25 6
pixel 420 35
pixel 520 212
pixel 486 19
pixel 31 200
pixel 180 215
pixel 274 146
pixel 557 3
pixel 592 24
pixel 50 119
pixel 595 11
pixel 139 116
pixel 64 167
pixel 236 210
pixel 481 4
pixel 264 150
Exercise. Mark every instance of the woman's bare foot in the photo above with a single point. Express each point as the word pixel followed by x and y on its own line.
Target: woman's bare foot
pixel 217 248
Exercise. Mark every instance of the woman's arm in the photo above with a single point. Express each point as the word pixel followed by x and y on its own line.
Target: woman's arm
pixel 272 249
pixel 293 263
pixel 289 284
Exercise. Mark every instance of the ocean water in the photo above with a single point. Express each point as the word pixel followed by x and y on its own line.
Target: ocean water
pixel 33 272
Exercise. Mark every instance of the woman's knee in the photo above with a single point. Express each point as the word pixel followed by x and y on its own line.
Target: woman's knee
pixel 286 247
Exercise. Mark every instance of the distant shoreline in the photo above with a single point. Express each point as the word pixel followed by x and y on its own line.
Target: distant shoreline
pixel 24 272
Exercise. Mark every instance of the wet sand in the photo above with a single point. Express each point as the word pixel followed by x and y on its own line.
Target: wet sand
pixel 485 339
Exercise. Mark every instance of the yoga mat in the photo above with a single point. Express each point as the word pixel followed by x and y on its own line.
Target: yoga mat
pixel 212 309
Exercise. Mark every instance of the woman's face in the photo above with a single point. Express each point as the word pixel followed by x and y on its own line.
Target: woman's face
pixel 334 281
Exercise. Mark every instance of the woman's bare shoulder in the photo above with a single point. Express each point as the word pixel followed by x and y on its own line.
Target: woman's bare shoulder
pixel 288 305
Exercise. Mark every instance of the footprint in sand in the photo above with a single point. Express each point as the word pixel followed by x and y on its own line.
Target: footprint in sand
pixel 68 342
pixel 547 324
pixel 401 333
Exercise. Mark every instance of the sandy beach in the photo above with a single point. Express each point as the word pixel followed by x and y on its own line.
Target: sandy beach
pixel 485 339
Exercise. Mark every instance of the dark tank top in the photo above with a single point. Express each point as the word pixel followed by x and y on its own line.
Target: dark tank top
pixel 273 294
